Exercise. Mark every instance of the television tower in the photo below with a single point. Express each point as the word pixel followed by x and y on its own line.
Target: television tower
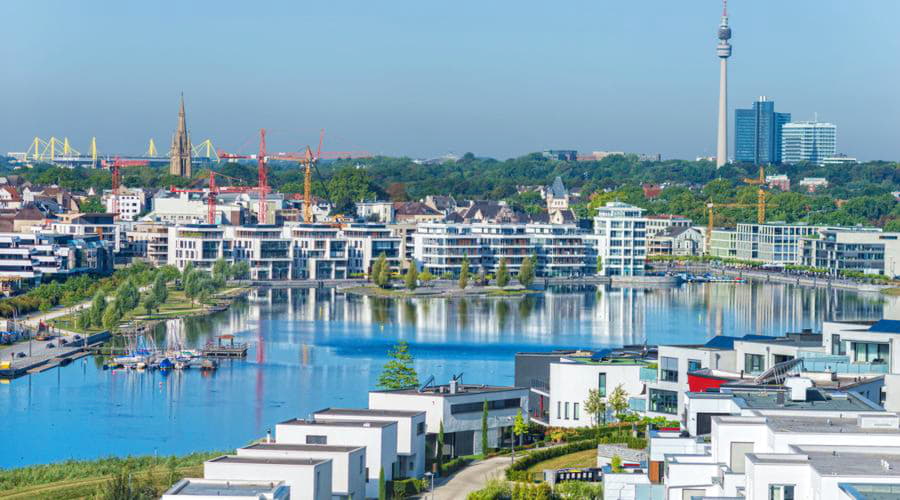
pixel 723 50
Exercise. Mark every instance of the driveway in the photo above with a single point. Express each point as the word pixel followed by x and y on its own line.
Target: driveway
pixel 469 479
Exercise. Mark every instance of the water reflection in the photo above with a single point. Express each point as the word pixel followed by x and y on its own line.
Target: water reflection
pixel 312 348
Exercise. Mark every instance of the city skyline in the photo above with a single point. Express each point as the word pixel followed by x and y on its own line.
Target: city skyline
pixel 492 81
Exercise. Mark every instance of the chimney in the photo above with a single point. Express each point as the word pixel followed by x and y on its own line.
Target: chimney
pixel 454 386
pixel 268 435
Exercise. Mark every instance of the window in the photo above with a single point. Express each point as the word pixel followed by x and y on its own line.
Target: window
pixel 781 492
pixel 601 385
pixel 693 365
pixel 668 369
pixel 663 401
pixel 558 409
pixel 868 352
pixel 567 410
pixel 575 413
pixel 311 439
pixel 420 428
pixel 754 363
pixel 476 407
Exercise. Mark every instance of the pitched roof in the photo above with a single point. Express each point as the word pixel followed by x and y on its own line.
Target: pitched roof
pixel 558 189
pixel 408 208
pixel 886 326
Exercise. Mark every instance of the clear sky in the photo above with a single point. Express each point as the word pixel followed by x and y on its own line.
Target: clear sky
pixel 426 77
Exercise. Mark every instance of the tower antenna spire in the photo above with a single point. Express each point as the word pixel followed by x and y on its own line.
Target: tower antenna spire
pixel 724 8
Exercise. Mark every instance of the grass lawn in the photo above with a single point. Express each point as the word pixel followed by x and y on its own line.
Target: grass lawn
pixel 895 291
pixel 586 458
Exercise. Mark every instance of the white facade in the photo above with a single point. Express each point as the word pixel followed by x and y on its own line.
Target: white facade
pixel 411 430
pixel 348 463
pixel 620 232
pixel 227 489
pixel 318 252
pixel 674 363
pixel 131 202
pixel 808 142
pixel 308 479
pixel 379 439
pixel 571 380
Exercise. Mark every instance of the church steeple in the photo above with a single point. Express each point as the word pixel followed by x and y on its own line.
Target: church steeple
pixel 180 154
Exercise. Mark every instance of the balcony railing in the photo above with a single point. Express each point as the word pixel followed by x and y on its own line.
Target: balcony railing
pixel 648 375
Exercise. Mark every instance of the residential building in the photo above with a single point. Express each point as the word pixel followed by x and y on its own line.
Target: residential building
pixel 773 242
pixel 36 256
pixel 101 225
pixel 679 241
pixel 227 489
pixel 560 250
pixel 415 211
pixel 200 244
pixel 443 204
pixel 307 478
pixel 532 370
pixel 149 241
pixel 560 154
pixel 812 184
pixel 809 142
pixel 780 181
pixel 657 224
pixel 723 243
pixel 867 347
pixel 127 203
pixel 368 242
pixel 620 235
pixel 410 434
pixel 757 133
pixel 10 197
pixel 441 247
pixel 459 408
pixel 185 208
pixel 318 252
pixel 861 250
pixel 557 196
pixel 378 437
pixel 375 211
pixel 348 463
pixel 265 248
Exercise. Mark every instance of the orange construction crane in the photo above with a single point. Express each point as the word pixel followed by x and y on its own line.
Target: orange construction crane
pixel 761 194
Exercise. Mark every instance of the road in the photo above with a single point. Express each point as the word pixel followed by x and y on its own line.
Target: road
pixel 469 479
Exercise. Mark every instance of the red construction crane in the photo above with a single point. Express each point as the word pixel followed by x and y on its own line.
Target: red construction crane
pixel 263 180
pixel 117 179
pixel 212 192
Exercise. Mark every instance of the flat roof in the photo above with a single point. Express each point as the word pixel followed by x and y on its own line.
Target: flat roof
pixel 839 462
pixel 223 487
pixel 337 423
pixel 323 448
pixel 767 399
pixel 365 412
pixel 235 459
pixel 871 491
pixel 823 425
pixel 444 390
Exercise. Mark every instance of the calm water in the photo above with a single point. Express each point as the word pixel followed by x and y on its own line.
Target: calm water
pixel 313 349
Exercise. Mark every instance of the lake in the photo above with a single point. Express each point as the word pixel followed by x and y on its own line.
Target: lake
pixel 313 349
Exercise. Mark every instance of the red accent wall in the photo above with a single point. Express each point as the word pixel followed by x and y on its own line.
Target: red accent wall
pixel 698 383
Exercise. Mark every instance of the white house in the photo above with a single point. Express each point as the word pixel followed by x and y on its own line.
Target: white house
pixel 308 478
pixel 378 437
pixel 227 489
pixel 410 433
pixel 348 463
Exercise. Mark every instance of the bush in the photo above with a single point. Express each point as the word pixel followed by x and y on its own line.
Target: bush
pixel 518 471
pixel 404 488
pixel 454 465
pixel 579 490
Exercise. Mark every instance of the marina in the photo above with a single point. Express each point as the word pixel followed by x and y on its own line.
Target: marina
pixel 307 349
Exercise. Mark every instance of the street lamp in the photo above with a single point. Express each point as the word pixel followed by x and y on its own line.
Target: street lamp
pixel 512 438
pixel 429 475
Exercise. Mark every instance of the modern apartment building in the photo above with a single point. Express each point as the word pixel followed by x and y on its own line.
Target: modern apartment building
pixel 757 133
pixel 200 244
pixel 620 233
pixel 809 142
pixel 32 257
pixel 366 243
pixel 772 243
pixel 560 250
pixel 867 251
pixel 318 252
pixel 657 224
pixel 128 203
pixel 149 241
pixel 265 247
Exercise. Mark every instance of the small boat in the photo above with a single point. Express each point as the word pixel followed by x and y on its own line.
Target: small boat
pixel 166 364
pixel 208 364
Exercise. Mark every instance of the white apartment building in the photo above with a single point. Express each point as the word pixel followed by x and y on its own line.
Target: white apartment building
pixel 265 247
pixel 376 211
pixel 378 437
pixel 441 247
pixel 318 252
pixel 100 225
pixel 366 243
pixel 410 433
pixel 307 478
pixel 867 347
pixel 810 142
pixel 772 243
pixel 865 250
pixel 560 250
pixel 129 202
pixel 31 256
pixel 620 232
pixel 200 244
pixel 348 463
pixel 657 224
pixel 227 489
pixel 459 406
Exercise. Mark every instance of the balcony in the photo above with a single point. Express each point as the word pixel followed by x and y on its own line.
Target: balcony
pixel 648 374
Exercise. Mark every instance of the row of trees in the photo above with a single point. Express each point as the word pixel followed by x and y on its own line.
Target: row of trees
pixel 381 275
pixel 596 405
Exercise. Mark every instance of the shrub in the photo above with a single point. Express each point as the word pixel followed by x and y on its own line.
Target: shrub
pixel 518 470
pixel 404 488
pixel 454 465
pixel 579 490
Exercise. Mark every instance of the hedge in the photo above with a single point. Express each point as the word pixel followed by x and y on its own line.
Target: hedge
pixel 454 465
pixel 404 488
pixel 518 471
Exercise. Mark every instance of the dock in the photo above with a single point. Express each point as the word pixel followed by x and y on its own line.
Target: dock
pixel 224 347
pixel 43 359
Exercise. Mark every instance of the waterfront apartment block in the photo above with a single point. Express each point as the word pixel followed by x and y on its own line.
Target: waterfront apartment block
pixel 348 463
pixel 772 243
pixel 149 241
pixel 620 234
pixel 318 252
pixel 32 257
pixel 307 478
pixel 858 250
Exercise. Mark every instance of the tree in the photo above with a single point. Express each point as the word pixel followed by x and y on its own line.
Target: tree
pixel 599 264
pixel 240 270
pixel 502 273
pixel 220 269
pixel 127 297
pixel 98 307
pixel 439 449
pixel 618 400
pixel 595 406
pixel 111 316
pixel 92 205
pixel 159 291
pixel 382 487
pixel 484 429
pixel 526 271
pixel 520 428
pixel 412 277
pixel 398 372
pixel 426 277
pixel 83 320
pixel 381 271
pixel 150 303
pixel 616 463
pixel 464 273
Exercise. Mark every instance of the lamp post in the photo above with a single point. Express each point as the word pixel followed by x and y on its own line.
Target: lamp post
pixel 429 475
pixel 512 438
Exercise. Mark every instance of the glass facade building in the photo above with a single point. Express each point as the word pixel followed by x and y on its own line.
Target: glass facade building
pixel 810 142
pixel 757 133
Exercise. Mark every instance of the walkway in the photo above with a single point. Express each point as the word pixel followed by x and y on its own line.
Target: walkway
pixel 469 479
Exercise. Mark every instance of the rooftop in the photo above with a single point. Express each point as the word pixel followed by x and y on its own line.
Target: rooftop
pixel 323 448
pixel 767 398
pixel 336 423
pixel 365 412
pixel 821 425
pixel 886 326
pixel 444 390
pixel 234 459
pixel 871 491
pixel 854 461
pixel 223 488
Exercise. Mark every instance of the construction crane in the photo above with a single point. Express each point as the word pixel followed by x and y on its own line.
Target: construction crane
pixel 710 218
pixel 263 179
pixel 308 161
pixel 212 193
pixel 117 179
pixel 151 149
pixel 761 194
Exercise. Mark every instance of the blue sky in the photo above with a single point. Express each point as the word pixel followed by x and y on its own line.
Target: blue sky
pixel 422 78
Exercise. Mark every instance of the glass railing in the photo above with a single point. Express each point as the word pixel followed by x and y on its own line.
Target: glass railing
pixel 637 404
pixel 648 375
pixel 844 367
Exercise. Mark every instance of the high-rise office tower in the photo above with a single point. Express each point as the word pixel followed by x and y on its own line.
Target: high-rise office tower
pixel 757 133
pixel 723 50
pixel 180 155
pixel 808 142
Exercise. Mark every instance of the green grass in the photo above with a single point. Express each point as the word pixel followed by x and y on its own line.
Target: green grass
pixel 505 293
pixel 893 292
pixel 585 458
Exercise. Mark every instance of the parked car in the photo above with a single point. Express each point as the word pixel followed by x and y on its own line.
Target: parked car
pixel 50 345
pixel 21 355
